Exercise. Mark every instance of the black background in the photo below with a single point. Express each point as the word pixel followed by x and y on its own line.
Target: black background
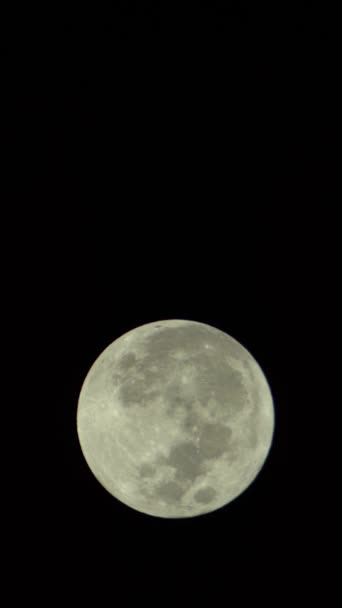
pixel 164 163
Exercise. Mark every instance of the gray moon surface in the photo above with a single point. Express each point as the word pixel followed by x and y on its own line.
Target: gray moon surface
pixel 175 418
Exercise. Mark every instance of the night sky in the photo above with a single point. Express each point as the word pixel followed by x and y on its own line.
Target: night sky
pixel 164 163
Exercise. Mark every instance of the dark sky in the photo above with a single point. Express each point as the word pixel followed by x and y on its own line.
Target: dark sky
pixel 164 163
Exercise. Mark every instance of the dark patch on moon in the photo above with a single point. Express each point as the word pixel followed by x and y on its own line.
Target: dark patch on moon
pixel 170 491
pixel 146 470
pixel 214 440
pixel 175 396
pixel 186 459
pixel 131 392
pixel 139 390
pixel 213 376
pixel 127 361
pixel 205 495
pixel 219 381
pixel 191 420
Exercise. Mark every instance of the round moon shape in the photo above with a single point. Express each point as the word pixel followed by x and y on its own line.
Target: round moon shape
pixel 175 418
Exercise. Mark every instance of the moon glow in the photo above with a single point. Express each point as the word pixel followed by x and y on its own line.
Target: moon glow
pixel 175 418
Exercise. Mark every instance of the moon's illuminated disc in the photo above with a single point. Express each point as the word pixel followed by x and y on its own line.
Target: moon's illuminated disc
pixel 175 418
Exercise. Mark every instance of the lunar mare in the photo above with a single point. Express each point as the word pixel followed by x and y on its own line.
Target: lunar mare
pixel 175 418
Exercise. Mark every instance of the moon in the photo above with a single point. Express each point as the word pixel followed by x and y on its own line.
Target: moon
pixel 175 418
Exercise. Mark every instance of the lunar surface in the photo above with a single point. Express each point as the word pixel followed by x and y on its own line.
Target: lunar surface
pixel 175 419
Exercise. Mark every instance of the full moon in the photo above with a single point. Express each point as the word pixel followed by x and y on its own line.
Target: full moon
pixel 175 418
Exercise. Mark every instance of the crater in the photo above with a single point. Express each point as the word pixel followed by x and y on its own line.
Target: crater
pixel 205 495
